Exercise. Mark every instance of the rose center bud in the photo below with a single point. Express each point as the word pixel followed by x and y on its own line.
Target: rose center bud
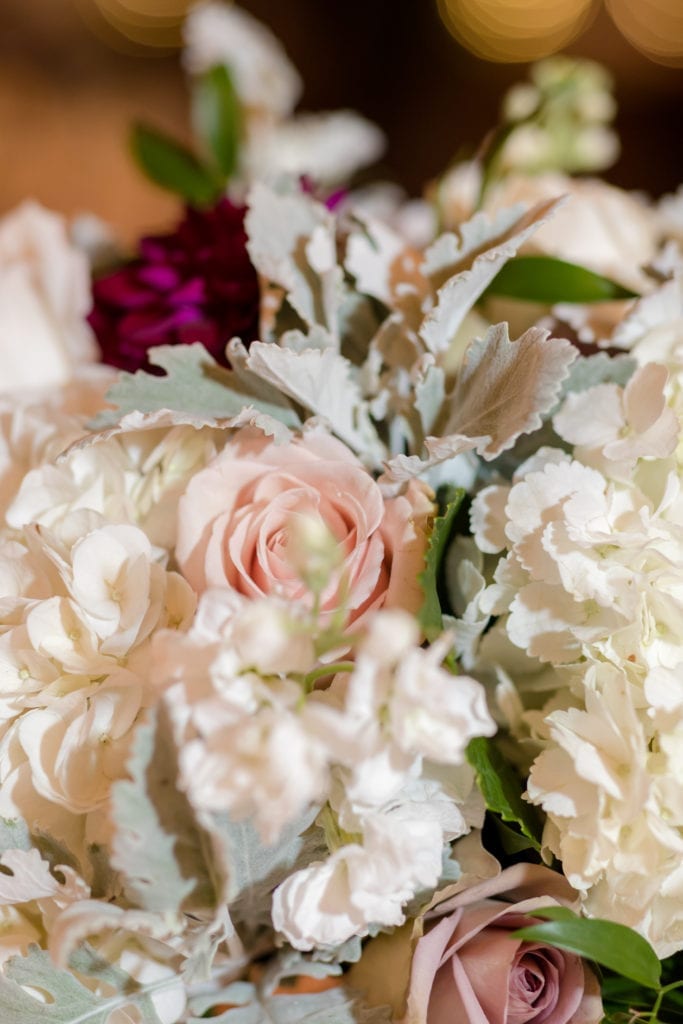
pixel 534 985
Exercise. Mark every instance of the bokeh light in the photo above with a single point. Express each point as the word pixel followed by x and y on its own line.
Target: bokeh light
pixel 655 27
pixel 516 30
pixel 137 26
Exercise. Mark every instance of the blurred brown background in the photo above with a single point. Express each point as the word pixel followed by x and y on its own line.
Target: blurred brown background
pixel 70 85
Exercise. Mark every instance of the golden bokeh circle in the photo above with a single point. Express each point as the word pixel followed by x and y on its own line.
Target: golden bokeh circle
pixel 655 27
pixel 515 30
pixel 137 26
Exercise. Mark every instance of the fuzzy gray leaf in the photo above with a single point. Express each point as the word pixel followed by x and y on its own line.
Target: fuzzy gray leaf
pixel 292 243
pixel 69 1001
pixel 334 1006
pixel 472 273
pixel 322 382
pixel 194 384
pixel 162 852
pixel 255 869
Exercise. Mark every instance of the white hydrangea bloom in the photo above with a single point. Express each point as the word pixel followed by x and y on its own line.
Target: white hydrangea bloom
pixel 134 477
pixel 589 588
pixel 614 806
pixel 78 606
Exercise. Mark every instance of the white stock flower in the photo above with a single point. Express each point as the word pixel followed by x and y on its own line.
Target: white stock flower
pixel 328 146
pixel 265 766
pixel 219 33
pixel 44 299
pixel 434 713
pixel 360 884
pixel 268 637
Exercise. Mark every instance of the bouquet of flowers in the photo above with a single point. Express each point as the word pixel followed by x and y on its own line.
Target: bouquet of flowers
pixel 341 578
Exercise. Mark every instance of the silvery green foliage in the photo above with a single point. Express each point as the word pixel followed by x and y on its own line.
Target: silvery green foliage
pixel 292 242
pixel 255 869
pixel 253 1006
pixel 601 368
pixel 323 383
pixel 195 385
pixel 164 855
pixel 358 334
pixel 70 1002
pixel 14 835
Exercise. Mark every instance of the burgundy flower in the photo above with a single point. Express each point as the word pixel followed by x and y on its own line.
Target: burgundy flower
pixel 196 284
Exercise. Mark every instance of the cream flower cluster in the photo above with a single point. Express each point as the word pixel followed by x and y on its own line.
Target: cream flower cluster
pixel 258 739
pixel 84 588
pixel 589 593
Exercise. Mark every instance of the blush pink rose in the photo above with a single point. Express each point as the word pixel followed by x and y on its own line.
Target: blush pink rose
pixel 468 967
pixel 235 524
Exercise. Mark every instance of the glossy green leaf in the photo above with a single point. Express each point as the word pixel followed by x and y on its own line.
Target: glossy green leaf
pixel 218 117
pixel 549 280
pixel 501 788
pixel 171 166
pixel 430 616
pixel 611 945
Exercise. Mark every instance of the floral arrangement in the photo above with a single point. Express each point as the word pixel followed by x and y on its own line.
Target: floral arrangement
pixel 341 578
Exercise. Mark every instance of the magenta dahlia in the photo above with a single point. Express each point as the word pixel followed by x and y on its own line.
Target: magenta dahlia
pixel 195 284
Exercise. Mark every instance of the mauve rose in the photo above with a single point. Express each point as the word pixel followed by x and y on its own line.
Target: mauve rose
pixel 468 968
pixel 195 284
pixel 235 524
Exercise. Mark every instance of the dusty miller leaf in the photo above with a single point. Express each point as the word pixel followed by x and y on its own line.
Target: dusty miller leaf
pixel 430 393
pixel 26 876
pixel 14 835
pixel 502 391
pixel 255 869
pixel 70 1002
pixel 472 273
pixel 292 243
pixel 452 253
pixel 194 384
pixel 372 249
pixel 335 1006
pixel 587 371
pixel 505 387
pixel 164 855
pixel 321 381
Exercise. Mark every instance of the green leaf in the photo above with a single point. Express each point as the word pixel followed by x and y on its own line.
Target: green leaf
pixel 549 280
pixel 502 789
pixel 218 116
pixel 69 1001
pixel 194 384
pixel 557 914
pixel 430 616
pixel 611 945
pixel 169 164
